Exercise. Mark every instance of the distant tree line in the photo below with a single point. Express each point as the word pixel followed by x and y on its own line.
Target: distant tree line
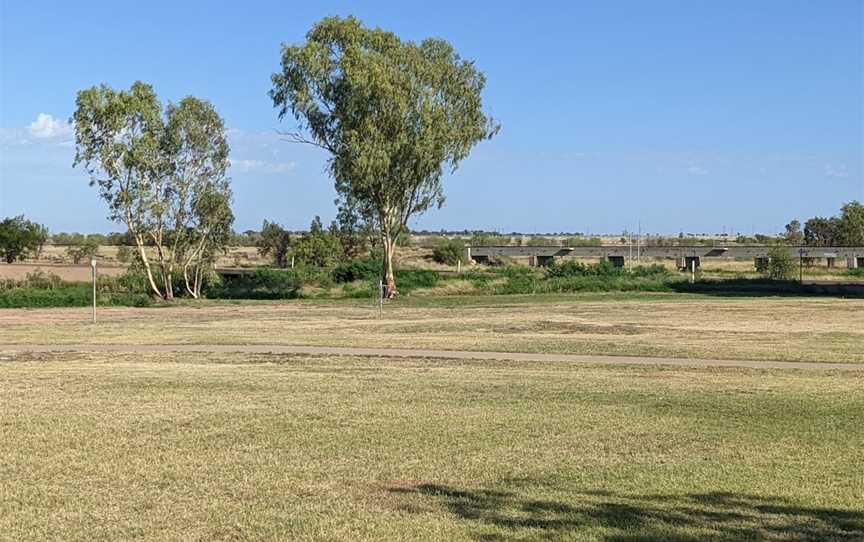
pixel 846 229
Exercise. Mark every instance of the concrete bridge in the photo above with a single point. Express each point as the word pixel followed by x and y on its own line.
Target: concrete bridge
pixel 687 256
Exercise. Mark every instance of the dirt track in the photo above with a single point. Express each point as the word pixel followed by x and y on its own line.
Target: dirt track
pixel 439 354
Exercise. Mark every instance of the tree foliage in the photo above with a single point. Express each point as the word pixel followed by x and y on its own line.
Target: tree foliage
pixel 393 115
pixel 450 251
pixel 274 242
pixel 793 234
pixel 846 229
pixel 354 234
pixel 781 265
pixel 852 224
pixel 821 232
pixel 318 248
pixel 19 237
pixel 162 175
pixel 84 250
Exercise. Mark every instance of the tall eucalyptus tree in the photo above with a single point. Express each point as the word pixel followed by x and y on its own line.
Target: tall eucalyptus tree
pixel 393 115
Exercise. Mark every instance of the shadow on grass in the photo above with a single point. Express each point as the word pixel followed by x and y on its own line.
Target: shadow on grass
pixel 505 515
pixel 765 287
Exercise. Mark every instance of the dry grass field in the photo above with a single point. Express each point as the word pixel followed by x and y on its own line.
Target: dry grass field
pixel 55 260
pixel 239 447
pixel 767 328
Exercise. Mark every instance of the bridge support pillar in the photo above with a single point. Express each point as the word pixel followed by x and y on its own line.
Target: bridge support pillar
pixel 853 263
pixel 831 262
pixel 691 263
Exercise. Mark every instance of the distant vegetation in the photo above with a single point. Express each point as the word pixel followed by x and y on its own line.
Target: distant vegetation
pixel 20 237
pixel 847 229
pixel 345 260
pixel 450 252
pixel 83 251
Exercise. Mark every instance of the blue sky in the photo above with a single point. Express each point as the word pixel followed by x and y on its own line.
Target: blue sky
pixel 688 115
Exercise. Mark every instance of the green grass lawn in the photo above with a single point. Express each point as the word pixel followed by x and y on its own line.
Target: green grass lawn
pixel 231 447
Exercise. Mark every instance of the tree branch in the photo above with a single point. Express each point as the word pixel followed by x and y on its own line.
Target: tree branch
pixel 297 137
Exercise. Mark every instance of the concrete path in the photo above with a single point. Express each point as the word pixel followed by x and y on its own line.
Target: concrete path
pixel 421 353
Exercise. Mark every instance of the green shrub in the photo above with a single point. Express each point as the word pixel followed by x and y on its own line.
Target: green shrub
pixel 365 269
pixel 449 252
pixel 265 283
pixel 67 295
pixel 653 270
pixel 781 265
pixel 572 268
pixel 40 280
pixel 365 291
pixel 411 279
pixel 477 279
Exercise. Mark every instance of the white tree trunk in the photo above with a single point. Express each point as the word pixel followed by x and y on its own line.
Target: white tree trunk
pixel 139 242
pixel 389 278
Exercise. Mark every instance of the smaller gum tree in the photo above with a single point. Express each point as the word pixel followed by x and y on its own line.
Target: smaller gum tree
pixel 163 174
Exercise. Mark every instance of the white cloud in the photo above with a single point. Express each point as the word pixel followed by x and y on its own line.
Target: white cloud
pixel 48 127
pixel 696 169
pixel 261 166
pixel 838 172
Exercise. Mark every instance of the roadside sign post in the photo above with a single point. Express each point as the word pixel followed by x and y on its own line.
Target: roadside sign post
pixel 93 268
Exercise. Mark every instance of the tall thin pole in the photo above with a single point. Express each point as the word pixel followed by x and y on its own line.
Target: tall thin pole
pixel 639 244
pixel 93 269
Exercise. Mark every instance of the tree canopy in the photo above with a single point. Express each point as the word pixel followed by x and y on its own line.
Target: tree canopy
pixel 19 237
pixel 852 224
pixel 393 115
pixel 846 229
pixel 274 241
